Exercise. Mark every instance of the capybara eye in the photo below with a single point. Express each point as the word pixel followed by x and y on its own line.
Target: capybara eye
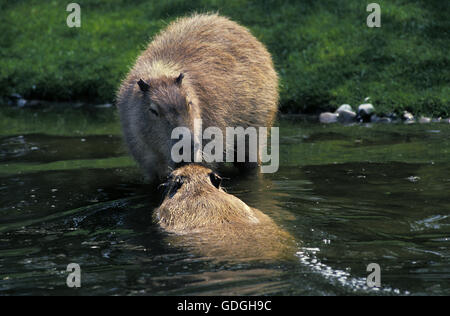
pixel 176 185
pixel 153 109
pixel 154 112
pixel 215 179
pixel 179 79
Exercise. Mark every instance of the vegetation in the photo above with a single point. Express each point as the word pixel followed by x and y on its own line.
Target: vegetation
pixel 323 50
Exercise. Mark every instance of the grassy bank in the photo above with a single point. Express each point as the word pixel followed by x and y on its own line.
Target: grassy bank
pixel 323 50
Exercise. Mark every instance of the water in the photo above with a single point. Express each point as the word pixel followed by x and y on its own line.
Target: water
pixel 350 195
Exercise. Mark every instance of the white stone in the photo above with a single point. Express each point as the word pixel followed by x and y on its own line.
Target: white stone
pixel 424 120
pixel 346 116
pixel 378 119
pixel 408 117
pixel 328 117
pixel 344 107
pixel 366 109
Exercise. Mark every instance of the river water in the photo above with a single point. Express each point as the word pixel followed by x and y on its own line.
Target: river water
pixel 349 195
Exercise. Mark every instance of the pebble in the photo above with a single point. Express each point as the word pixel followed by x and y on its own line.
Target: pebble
pixel 366 113
pixel 424 120
pixel 344 107
pixel 392 116
pixel 408 117
pixel 15 96
pixel 21 103
pixel 328 117
pixel 366 109
pixel 380 119
pixel 345 116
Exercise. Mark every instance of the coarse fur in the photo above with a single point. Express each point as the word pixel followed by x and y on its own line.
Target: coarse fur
pixel 201 215
pixel 227 80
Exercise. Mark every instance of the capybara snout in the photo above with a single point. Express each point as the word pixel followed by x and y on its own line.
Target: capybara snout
pixel 184 175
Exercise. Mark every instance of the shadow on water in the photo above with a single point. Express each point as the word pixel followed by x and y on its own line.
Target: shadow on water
pixel 350 195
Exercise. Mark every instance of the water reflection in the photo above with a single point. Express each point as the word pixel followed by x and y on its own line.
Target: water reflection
pixel 41 148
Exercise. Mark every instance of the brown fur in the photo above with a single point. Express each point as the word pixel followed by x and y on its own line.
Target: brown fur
pixel 214 223
pixel 229 80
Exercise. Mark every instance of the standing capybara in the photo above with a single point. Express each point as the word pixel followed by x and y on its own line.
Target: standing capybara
pixel 200 67
pixel 202 216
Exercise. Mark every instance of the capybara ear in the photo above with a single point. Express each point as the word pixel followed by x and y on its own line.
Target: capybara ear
pixel 144 86
pixel 179 79
pixel 215 179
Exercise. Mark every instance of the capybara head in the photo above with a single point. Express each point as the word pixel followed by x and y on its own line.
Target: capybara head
pixel 195 201
pixel 191 179
pixel 167 105
pixel 203 217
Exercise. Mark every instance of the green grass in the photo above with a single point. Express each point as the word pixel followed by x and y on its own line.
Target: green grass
pixel 59 121
pixel 323 50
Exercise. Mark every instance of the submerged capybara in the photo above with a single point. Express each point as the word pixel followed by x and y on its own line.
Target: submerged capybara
pixel 206 67
pixel 200 215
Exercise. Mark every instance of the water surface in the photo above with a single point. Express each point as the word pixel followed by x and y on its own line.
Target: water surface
pixel 350 195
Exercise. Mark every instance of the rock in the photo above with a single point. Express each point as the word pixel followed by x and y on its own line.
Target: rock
pixel 344 107
pixel 16 99
pixel 374 118
pixel 392 116
pixel 385 120
pixel 365 111
pixel 408 117
pixel 345 116
pixel 424 120
pixel 21 103
pixel 378 119
pixel 328 117
pixel 15 96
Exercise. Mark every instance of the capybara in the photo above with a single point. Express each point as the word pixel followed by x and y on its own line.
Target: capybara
pixel 200 215
pixel 206 67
